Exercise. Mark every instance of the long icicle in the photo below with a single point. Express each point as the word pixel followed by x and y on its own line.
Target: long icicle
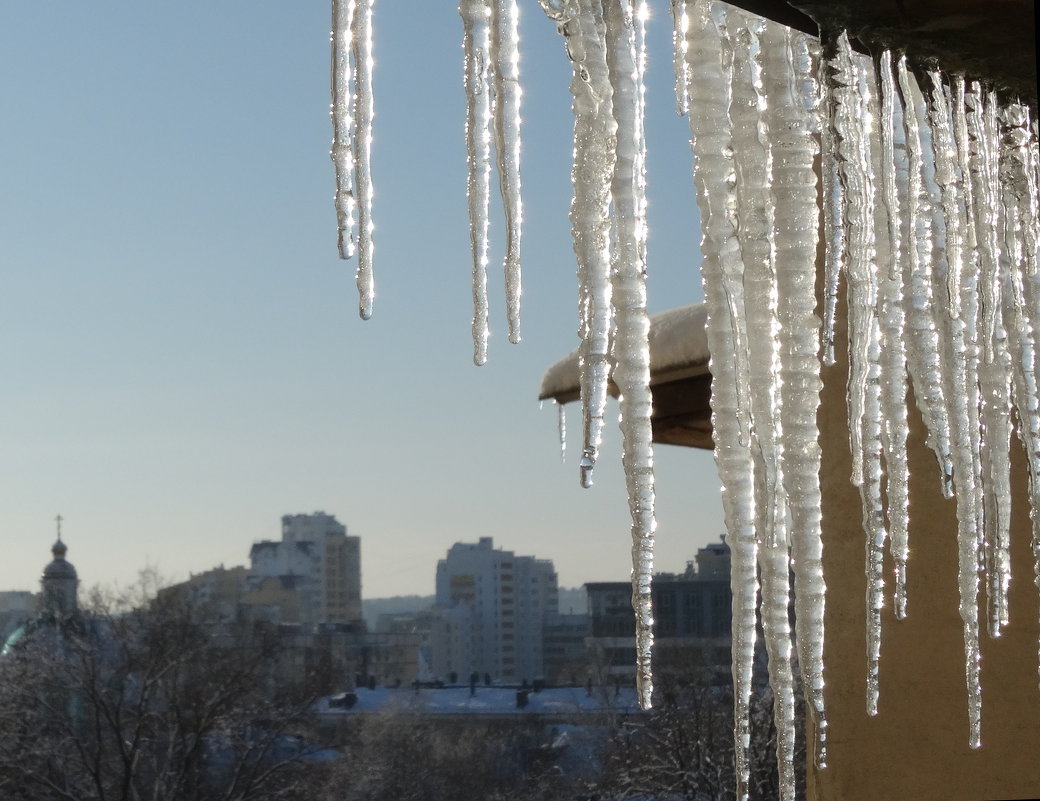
pixel 892 318
pixel 709 69
pixel 364 112
pixel 476 42
pixel 970 316
pixel 753 160
pixel 342 153
pixel 791 94
pixel 625 58
pixel 679 24
pixel 948 316
pixel 833 194
pixel 595 132
pixel 923 361
pixel 853 122
pixel 505 39
pixel 994 361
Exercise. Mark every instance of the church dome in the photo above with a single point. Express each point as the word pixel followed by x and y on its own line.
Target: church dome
pixel 59 568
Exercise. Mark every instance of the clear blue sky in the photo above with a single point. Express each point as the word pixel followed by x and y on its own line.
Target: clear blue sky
pixel 181 355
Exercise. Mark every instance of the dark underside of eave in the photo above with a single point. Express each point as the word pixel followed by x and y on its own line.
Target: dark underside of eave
pixel 991 41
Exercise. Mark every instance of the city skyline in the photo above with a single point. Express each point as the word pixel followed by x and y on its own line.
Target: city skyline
pixel 182 354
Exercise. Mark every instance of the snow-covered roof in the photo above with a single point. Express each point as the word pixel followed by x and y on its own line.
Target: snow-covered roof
pixel 678 349
pixel 488 701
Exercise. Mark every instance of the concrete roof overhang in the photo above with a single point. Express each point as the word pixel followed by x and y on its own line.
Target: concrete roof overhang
pixel 992 41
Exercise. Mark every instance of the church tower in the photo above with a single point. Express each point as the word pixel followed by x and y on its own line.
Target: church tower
pixel 59 582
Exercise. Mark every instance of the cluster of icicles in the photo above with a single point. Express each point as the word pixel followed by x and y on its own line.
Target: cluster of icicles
pixel 929 187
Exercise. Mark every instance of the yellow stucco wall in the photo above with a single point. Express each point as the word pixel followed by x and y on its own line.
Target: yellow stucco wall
pixel 917 746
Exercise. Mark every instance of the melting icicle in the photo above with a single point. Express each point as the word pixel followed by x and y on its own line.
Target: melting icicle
pixel 561 423
pixel 969 304
pixel 476 43
pixel 853 121
pixel 1017 190
pixel 625 58
pixel 994 359
pixel 994 356
pixel 682 77
pixel 343 125
pixel 892 259
pixel 364 111
pixel 923 339
pixel 709 68
pixel 833 197
pixel 582 27
pixel 505 38
pixel 790 90
pixel 753 159
pixel 948 318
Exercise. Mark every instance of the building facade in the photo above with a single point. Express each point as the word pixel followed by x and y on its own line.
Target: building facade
pixel 492 607
pixel 691 616
pixel 318 563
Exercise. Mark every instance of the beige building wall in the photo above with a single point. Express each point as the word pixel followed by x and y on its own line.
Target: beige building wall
pixel 917 746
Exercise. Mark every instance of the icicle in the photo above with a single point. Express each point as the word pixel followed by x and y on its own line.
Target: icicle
pixel 833 196
pixel 891 253
pixel 852 150
pixel 923 339
pixel 755 209
pixel 682 76
pixel 505 54
pixel 1021 295
pixel 948 318
pixel 709 68
pixel 853 121
pixel 364 111
pixel 994 356
pixel 790 91
pixel 969 318
pixel 343 125
pixel 582 27
pixel 476 43
pixel 561 424
pixel 625 59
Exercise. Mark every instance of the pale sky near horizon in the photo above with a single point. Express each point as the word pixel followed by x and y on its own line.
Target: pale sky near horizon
pixel 182 358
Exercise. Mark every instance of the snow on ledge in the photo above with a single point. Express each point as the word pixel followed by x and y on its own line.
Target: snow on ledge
pixel 678 349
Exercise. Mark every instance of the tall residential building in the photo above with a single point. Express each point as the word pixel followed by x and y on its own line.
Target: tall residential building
pixel 318 562
pixel 493 605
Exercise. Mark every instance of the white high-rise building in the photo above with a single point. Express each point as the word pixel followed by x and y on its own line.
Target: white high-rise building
pixel 493 606
pixel 317 561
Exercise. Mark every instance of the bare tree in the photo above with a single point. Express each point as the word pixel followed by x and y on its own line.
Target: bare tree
pixel 683 748
pixel 131 702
